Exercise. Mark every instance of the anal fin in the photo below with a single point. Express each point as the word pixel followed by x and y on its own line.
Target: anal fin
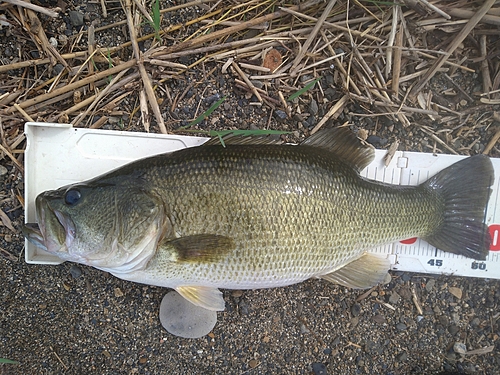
pixel 367 271
pixel 207 297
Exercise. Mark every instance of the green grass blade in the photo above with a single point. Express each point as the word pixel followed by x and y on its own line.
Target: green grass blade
pixel 205 114
pixel 304 89
pixel 156 16
pixel 9 361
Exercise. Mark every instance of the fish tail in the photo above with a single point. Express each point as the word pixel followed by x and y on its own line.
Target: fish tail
pixel 464 188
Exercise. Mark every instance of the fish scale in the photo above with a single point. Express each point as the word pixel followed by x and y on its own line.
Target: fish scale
pixel 287 203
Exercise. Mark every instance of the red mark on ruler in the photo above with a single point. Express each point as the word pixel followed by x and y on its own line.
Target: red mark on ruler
pixel 409 241
pixel 495 237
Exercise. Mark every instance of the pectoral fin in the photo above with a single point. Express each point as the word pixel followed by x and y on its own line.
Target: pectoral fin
pixel 200 247
pixel 206 297
pixel 367 271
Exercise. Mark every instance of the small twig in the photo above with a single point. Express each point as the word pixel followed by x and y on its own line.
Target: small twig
pixel 144 110
pixel 303 50
pixel 396 70
pixel 485 70
pixel 11 157
pixel 392 38
pixel 335 108
pixel 247 81
pixel 59 358
pixel 457 86
pixel 153 102
pixel 22 112
pixel 493 141
pixel 36 8
pixel 437 139
pixel 415 301
pixel 436 9
pixel 104 10
pixel 98 98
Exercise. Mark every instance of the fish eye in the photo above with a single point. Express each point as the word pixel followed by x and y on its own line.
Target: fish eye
pixel 72 197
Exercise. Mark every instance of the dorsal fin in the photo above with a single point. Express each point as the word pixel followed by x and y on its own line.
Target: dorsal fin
pixel 343 144
pixel 233 139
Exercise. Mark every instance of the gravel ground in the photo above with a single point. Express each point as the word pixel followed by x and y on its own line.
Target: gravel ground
pixel 70 319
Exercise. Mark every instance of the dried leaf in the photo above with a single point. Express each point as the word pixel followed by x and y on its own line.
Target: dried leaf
pixel 272 60
pixel 4 253
pixel 485 350
pixel 6 221
pixel 457 292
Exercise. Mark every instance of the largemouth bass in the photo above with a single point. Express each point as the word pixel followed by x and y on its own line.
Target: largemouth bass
pixel 254 215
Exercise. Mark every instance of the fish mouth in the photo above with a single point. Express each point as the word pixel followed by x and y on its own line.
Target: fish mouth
pixel 54 232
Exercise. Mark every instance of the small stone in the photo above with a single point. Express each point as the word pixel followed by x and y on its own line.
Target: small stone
pixel 460 348
pixel 430 285
pixel 143 360
pixel 75 272
pixel 212 99
pixel 66 287
pixel 457 292
pixel 76 18
pixel 401 327
pixel 379 319
pixel 3 170
pixel 394 298
pixel 475 322
pixel 53 42
pixel 405 277
pixel 237 293
pixel 376 141
pixel 443 320
pixel 304 329
pixel 7 238
pixel 253 363
pixel 118 292
pixel 402 357
pixel 453 329
pixel 280 115
pixel 313 107
pixel 319 369
pixel 363 134
pixel 356 309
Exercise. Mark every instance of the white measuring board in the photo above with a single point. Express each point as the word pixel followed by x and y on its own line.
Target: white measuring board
pixel 58 154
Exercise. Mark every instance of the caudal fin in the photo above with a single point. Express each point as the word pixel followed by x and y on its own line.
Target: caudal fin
pixel 465 188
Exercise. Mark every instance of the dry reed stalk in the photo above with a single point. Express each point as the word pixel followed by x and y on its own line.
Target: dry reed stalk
pixel 493 141
pixel 304 48
pixel 459 38
pixel 153 102
pixel 247 81
pixel 336 108
pixel 396 70
pixel 73 86
pixel 36 8
pixel 98 98
pixel 230 30
pixel 391 39
pixel 485 70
